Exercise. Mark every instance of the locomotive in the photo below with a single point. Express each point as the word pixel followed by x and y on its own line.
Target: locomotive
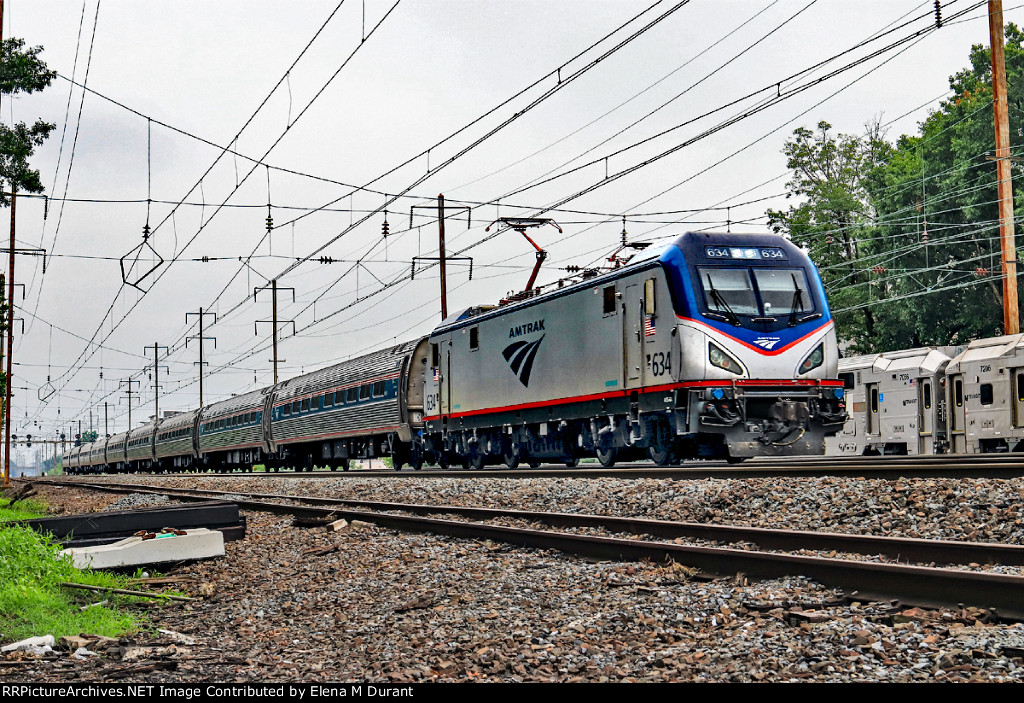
pixel 714 346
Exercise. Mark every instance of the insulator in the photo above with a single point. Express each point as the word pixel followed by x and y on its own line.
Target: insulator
pixel 385 228
pixel 938 14
pixel 270 223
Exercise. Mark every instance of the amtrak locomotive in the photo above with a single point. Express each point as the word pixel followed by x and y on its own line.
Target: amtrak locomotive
pixel 715 346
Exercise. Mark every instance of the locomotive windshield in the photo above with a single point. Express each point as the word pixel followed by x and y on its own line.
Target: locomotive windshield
pixel 769 292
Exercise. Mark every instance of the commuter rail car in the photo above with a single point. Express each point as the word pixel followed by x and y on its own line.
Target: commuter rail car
pixel 716 346
pixel 897 403
pixel 985 396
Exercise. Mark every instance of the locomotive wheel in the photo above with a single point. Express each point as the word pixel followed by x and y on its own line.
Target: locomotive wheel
pixel 534 463
pixel 660 454
pixel 417 461
pixel 442 462
pixel 607 457
pixel 477 460
pixel 511 461
pixel 572 462
pixel 344 464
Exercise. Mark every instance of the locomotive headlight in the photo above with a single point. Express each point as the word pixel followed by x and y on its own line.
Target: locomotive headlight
pixel 815 359
pixel 722 360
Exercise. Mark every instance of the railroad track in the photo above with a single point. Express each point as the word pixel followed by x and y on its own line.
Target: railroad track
pixel 925 586
pixel 975 466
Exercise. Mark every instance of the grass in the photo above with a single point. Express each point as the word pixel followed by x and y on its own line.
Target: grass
pixel 22 510
pixel 31 602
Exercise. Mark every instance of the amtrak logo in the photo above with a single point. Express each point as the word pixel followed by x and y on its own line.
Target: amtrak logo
pixel 766 342
pixel 520 356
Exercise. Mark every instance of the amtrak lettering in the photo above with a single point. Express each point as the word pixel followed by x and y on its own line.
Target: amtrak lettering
pixel 528 328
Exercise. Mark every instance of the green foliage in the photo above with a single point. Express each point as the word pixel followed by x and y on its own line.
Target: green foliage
pixel 21 71
pixel 905 234
pixel 22 510
pixel 31 602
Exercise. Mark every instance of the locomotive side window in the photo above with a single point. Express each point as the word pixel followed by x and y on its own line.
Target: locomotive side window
pixel 435 356
pixel 609 300
pixel 649 296
pixel 474 338
pixel 986 393
pixel 847 379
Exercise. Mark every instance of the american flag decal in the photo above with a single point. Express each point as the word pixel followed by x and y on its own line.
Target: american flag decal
pixel 649 325
pixel 436 374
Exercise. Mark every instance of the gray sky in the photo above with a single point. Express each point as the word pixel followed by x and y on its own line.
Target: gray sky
pixel 430 68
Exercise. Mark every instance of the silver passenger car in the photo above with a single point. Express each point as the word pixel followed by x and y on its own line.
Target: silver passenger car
pixel 230 432
pixel 366 407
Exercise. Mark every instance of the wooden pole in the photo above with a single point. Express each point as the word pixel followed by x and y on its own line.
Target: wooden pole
pixel 1007 239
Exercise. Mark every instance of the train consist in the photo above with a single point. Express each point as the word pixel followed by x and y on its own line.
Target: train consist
pixel 716 346
pixel 935 400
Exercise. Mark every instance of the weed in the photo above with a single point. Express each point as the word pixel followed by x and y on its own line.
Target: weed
pixel 31 601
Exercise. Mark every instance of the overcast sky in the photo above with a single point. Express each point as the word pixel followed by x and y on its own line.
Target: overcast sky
pixel 384 83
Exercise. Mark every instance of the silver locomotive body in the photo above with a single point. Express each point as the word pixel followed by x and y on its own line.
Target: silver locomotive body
pixel 638 361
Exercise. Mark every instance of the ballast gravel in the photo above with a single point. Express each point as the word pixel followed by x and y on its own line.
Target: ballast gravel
pixel 376 605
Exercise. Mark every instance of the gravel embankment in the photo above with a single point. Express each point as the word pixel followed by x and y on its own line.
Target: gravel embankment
pixel 388 606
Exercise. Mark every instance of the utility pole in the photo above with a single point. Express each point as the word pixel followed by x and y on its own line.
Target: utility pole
pixel 129 381
pixel 106 428
pixel 444 270
pixel 156 378
pixel 442 257
pixel 1007 240
pixel 201 339
pixel 10 335
pixel 274 322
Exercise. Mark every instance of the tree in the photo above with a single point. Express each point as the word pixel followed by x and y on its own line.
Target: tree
pixel 21 71
pixel 906 234
pixel 835 220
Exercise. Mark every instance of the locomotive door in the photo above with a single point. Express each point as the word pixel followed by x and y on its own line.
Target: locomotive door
pixel 873 402
pixel 632 337
pixel 1018 398
pixel 445 388
pixel 926 416
pixel 957 414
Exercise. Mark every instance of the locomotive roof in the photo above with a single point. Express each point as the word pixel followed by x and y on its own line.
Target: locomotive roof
pixel 691 245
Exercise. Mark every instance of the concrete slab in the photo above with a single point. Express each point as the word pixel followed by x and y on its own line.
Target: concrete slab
pixel 199 543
